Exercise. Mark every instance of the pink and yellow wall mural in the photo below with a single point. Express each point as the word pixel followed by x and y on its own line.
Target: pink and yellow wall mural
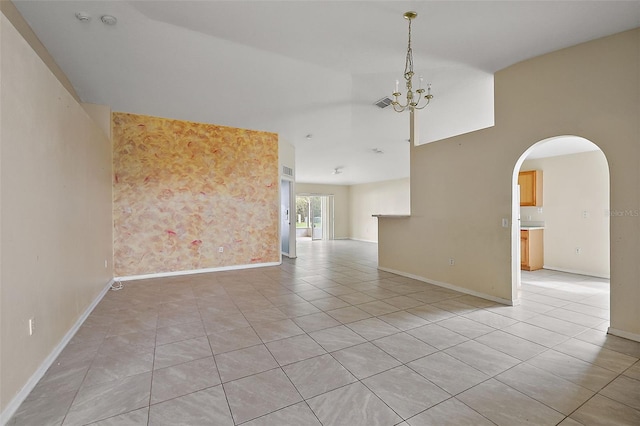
pixel 184 190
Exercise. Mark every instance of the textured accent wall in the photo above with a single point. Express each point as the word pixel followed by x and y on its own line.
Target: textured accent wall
pixel 182 190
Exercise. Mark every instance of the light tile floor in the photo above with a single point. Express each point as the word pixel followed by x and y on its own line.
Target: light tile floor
pixel 328 339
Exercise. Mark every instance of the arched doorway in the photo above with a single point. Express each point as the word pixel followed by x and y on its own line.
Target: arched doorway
pixel 573 215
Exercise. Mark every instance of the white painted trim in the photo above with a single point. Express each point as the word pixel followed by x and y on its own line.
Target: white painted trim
pixel 574 271
pixel 624 334
pixel 364 241
pixel 197 271
pixel 514 302
pixel 13 406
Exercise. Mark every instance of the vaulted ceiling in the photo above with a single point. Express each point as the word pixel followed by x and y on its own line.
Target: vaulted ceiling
pixel 315 68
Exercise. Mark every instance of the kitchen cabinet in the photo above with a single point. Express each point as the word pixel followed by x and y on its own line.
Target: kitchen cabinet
pixel 530 188
pixel 531 249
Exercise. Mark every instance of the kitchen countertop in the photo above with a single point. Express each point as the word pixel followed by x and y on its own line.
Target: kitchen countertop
pixel 531 228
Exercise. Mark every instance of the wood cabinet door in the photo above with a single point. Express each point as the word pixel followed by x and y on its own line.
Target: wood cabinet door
pixel 524 248
pixel 527 182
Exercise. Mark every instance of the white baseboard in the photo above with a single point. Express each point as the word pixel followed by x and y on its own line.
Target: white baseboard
pixel 195 271
pixel 453 287
pixel 14 404
pixel 364 241
pixel 624 334
pixel 575 271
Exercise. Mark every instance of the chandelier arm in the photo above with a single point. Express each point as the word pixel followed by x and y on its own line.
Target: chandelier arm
pixel 422 107
pixel 403 106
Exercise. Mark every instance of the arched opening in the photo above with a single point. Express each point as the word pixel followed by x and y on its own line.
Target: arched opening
pixel 573 217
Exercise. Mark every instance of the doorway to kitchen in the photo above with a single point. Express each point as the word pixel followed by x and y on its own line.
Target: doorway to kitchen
pixel 560 228
pixel 314 217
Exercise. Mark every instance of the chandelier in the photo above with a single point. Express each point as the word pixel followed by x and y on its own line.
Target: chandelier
pixel 418 99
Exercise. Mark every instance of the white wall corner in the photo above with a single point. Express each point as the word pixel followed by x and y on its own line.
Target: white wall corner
pixel 101 115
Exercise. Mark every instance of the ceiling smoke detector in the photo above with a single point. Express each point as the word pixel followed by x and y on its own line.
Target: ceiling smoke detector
pixel 108 20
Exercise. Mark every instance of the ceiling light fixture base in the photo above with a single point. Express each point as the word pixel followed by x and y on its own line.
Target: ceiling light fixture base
pixel 410 15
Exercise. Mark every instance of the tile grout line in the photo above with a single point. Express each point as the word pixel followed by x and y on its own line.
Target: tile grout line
pixel 263 290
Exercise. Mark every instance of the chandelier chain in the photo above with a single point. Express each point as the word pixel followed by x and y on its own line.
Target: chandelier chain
pixel 408 66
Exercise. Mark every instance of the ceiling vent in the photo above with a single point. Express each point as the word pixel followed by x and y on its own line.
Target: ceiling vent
pixel 383 103
pixel 287 171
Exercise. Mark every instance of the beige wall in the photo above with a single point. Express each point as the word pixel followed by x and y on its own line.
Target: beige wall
pixel 341 203
pixel 388 197
pixel 590 90
pixel 355 204
pixel 55 211
pixel 574 184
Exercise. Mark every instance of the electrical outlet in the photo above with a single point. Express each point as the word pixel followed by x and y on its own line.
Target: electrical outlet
pixel 578 250
pixel 220 249
pixel 585 214
pixel 505 222
pixel 32 326
pixel 106 264
pixel 451 261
